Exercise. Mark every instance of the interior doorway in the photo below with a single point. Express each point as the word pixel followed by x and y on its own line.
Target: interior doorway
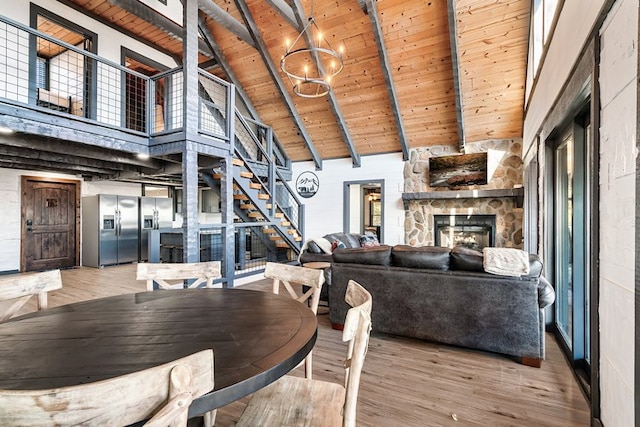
pixel 364 207
pixel 62 79
pixel 50 223
pixel 136 96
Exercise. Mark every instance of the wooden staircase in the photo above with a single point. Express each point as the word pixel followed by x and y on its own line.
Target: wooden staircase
pixel 254 203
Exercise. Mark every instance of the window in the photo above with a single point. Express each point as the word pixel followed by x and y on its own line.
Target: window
pixel 543 14
pixel 571 242
pixel 42 73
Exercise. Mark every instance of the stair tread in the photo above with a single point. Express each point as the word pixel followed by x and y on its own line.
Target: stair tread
pixel 246 174
pixel 263 196
pixel 240 197
pixel 237 162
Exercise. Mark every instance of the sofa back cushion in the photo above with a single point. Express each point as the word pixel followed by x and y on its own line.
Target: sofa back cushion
pixel 466 259
pixel 377 255
pixel 350 240
pixel 431 257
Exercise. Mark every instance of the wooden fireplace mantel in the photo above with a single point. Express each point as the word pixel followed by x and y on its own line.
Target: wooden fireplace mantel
pixel 465 194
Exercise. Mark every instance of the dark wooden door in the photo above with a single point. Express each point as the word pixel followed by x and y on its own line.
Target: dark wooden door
pixel 49 223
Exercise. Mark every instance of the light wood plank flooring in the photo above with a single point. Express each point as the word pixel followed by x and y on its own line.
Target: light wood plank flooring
pixel 405 382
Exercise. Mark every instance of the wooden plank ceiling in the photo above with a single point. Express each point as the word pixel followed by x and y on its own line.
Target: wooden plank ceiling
pixel 406 44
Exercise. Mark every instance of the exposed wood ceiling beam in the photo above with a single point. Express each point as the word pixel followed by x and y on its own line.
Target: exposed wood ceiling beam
pixel 226 67
pixel 57 146
pixel 29 154
pixel 388 77
pixel 158 20
pixel 264 53
pixel 453 38
pixel 18 162
pixel 124 31
pixel 301 19
pixel 286 11
pixel 226 20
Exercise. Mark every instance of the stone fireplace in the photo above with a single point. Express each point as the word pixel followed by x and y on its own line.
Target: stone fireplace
pixel 500 200
pixel 473 232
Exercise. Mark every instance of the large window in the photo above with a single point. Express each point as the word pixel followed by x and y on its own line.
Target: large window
pixel 543 13
pixel 572 241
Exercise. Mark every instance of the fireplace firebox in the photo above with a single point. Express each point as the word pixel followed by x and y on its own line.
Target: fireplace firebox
pixel 473 231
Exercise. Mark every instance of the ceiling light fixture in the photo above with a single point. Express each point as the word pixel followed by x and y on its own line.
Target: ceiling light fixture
pixel 311 63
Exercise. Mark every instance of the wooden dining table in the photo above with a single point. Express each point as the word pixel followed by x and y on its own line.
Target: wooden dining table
pixel 256 338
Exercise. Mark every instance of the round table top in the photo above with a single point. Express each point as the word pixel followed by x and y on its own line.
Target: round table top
pixel 256 337
pixel 317 264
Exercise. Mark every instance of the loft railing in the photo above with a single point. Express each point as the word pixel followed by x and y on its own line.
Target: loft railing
pixel 254 151
pixel 74 83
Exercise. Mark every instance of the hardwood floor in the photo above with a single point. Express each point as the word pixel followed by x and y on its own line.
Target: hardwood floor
pixel 405 382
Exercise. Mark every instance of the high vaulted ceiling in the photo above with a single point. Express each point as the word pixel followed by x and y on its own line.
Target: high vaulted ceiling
pixel 417 72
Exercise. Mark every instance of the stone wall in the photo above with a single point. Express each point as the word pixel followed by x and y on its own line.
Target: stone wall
pixel 505 172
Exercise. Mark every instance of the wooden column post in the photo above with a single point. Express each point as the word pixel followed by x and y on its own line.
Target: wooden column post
pixel 190 226
pixel 191 235
pixel 228 232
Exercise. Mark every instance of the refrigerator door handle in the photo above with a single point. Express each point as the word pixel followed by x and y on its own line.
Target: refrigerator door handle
pixel 118 223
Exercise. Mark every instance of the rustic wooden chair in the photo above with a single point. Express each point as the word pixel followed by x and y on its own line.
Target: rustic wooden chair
pixel 162 393
pixel 288 275
pixel 166 274
pixel 296 401
pixel 17 289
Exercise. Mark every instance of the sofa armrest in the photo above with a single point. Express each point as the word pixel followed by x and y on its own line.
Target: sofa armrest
pixel 306 257
pixel 546 294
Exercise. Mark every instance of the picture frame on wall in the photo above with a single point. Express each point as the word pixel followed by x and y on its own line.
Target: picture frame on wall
pixel 458 170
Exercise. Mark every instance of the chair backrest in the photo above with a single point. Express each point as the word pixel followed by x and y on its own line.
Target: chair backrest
pixel 162 393
pixel 17 289
pixel 165 273
pixel 357 328
pixel 286 275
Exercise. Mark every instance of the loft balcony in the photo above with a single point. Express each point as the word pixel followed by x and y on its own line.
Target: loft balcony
pixel 76 112
pixel 53 89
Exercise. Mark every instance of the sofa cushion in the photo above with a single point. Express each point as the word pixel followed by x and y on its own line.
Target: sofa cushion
pixel 431 257
pixel 466 259
pixel 378 255
pixel 351 240
pixel 337 244
pixel 314 248
pixel 369 241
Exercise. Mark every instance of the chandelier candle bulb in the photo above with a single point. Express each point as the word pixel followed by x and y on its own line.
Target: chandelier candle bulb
pixel 310 63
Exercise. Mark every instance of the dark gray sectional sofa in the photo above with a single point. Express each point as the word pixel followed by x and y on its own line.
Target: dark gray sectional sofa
pixel 444 295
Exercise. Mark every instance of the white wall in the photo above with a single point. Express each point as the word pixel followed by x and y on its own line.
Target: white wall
pixel 618 152
pixel 618 84
pixel 324 211
pixel 109 40
pixel 10 216
pixel 574 25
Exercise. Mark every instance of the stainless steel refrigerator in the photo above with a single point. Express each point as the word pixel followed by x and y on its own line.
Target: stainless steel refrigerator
pixel 155 213
pixel 109 230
